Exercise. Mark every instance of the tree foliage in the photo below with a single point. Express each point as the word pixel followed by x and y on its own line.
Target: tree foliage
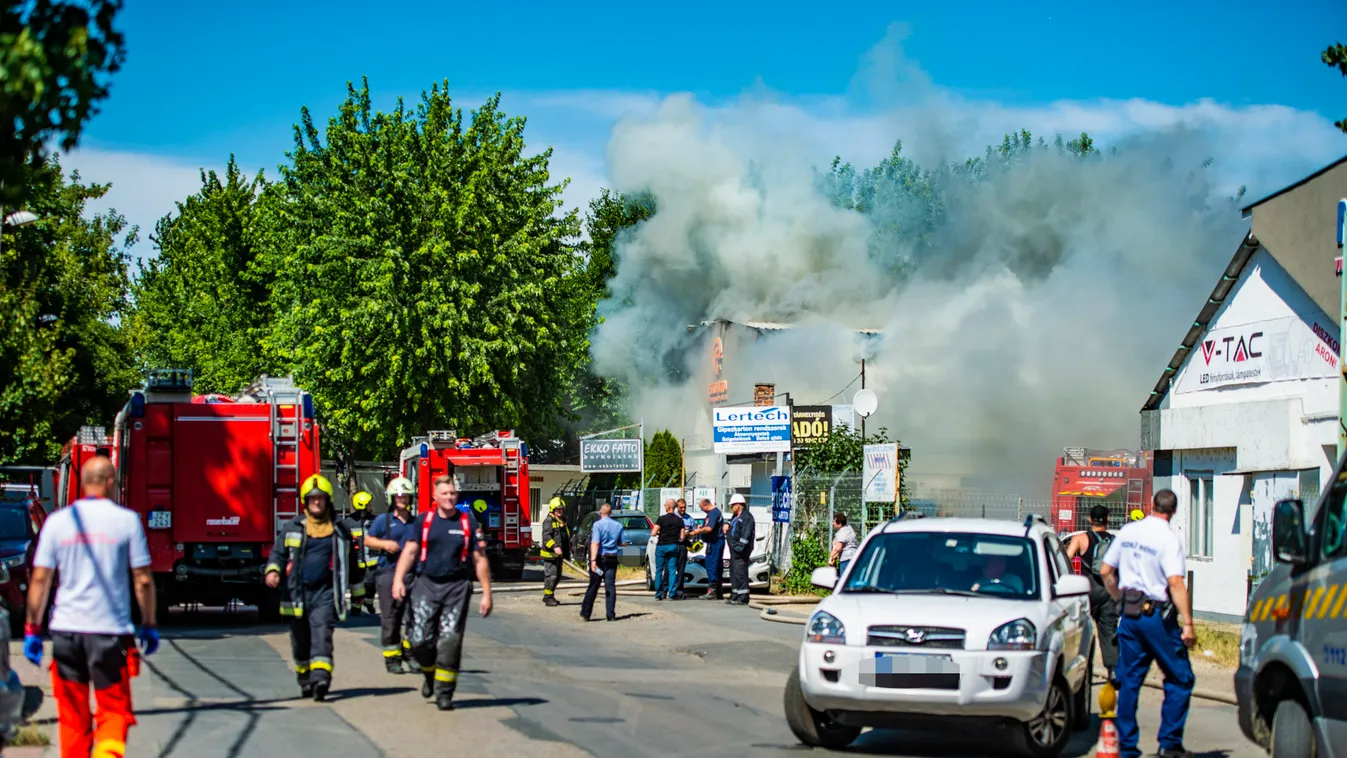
pixel 63 290
pixel 56 57
pixel 663 460
pixel 1335 56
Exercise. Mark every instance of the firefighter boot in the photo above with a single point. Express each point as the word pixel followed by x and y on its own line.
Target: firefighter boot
pixel 428 684
pixel 394 664
pixel 445 701
pixel 320 688
pixel 551 601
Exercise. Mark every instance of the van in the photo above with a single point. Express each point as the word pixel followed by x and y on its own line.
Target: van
pixel 1291 684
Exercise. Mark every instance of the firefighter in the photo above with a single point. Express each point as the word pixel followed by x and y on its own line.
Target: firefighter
pixel 362 571
pixel 446 552
pixel 711 533
pixel 316 552
pixel 556 546
pixel 740 547
pixel 388 535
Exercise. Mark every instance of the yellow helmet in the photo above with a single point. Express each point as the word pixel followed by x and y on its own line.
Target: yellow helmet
pixel 1137 514
pixel 316 482
pixel 556 503
pixel 361 500
pixel 479 506
pixel 400 485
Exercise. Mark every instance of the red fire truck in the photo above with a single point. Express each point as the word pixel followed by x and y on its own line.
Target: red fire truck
pixel 1120 479
pixel 494 473
pixel 212 476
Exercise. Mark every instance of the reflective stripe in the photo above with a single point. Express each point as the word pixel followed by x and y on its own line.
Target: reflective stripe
pixel 292 608
pixel 358 591
pixel 357 532
pixel 445 675
pixel 392 652
pixel 292 539
pixel 427 669
pixel 301 667
pixel 406 645
pixel 547 592
pixel 322 664
pixel 272 567
pixel 550 543
pixel 109 748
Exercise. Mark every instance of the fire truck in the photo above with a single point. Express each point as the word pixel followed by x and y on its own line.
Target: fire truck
pixel 212 476
pixel 91 441
pixel 1084 478
pixel 494 473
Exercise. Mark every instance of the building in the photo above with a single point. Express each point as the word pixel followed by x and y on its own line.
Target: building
pixel 545 480
pixel 1246 411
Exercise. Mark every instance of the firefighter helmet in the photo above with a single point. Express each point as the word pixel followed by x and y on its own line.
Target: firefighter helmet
pixel 1137 515
pixel 316 484
pixel 400 486
pixel 361 500
pixel 556 504
pixel 696 546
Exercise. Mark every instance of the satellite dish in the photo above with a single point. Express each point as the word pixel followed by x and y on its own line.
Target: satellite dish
pixel 865 402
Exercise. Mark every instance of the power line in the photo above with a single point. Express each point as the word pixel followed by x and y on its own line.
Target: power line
pixel 844 389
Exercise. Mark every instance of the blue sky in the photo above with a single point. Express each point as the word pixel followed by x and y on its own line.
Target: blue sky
pixel 203 80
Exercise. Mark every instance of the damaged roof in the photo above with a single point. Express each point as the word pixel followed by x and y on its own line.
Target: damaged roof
pixel 762 326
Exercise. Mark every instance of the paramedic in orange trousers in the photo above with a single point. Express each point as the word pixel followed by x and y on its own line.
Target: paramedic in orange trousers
pixel 96 546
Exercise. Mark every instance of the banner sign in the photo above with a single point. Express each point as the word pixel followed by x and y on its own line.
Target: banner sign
pixel 603 456
pixel 881 473
pixel 810 424
pixel 751 430
pixel 666 494
pixel 701 493
pixel 844 416
pixel 781 499
pixel 1266 351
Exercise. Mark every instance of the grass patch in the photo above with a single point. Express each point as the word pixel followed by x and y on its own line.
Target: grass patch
pixel 30 735
pixel 625 573
pixel 1221 640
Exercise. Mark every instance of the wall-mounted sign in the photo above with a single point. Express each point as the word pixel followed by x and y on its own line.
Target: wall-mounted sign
pixel 764 395
pixel 844 416
pixel 751 430
pixel 606 456
pixel 810 424
pixel 880 472
pixel 781 499
pixel 1266 351
pixel 717 356
pixel 718 392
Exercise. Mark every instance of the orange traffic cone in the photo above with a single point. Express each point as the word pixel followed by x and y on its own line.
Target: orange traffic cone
pixel 1107 747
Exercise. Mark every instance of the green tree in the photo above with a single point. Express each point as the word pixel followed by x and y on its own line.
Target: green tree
pixel 201 301
pixel 663 460
pixel 63 290
pixel 1335 56
pixel 425 275
pixel 55 61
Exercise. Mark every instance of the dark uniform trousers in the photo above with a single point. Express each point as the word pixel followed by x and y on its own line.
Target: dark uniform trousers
pixel 739 576
pixel 551 575
pixel 439 615
pixel 311 637
pixel 682 565
pixel 607 574
pixel 392 613
pixel 1105 612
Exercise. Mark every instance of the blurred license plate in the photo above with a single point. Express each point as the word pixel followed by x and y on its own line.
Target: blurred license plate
pixel 914 663
pixel 910 671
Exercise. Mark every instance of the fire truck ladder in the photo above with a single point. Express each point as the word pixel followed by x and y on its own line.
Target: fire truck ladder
pixel 1135 501
pixel 285 439
pixel 511 492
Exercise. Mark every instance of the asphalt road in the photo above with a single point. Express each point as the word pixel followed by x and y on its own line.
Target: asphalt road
pixel 667 679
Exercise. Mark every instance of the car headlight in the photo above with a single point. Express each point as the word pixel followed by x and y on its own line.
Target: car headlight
pixel 824 627
pixel 1017 635
pixel 1248 644
pixel 13 561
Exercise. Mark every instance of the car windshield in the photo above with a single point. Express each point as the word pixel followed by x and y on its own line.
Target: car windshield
pixel 13 524
pixel 947 563
pixel 633 522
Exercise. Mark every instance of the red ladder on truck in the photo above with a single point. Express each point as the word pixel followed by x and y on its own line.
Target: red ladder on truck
pixel 283 398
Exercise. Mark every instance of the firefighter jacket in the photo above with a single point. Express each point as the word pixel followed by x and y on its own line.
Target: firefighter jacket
pixel 363 559
pixel 742 534
pixel 555 534
pixel 287 556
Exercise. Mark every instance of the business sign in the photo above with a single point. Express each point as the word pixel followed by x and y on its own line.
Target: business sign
pixel 604 456
pixel 718 392
pixel 810 424
pixel 700 494
pixel 751 430
pixel 666 494
pixel 1277 350
pixel 781 499
pixel 880 473
pixel 844 416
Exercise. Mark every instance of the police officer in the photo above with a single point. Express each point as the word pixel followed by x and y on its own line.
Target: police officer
pixel 446 552
pixel 316 552
pixel 740 547
pixel 1091 546
pixel 605 541
pixel 362 571
pixel 1145 569
pixel 387 536
pixel 683 547
pixel 556 546
pixel 712 535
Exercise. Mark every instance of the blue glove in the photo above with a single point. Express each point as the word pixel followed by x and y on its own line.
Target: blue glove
pixel 149 639
pixel 32 649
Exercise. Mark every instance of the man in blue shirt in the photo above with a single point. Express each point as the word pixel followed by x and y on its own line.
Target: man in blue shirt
pixel 712 533
pixel 605 542
pixel 689 525
pixel 386 537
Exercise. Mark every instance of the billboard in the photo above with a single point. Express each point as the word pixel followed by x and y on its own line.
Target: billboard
pixel 810 424
pixel 1265 351
pixel 751 430
pixel 607 456
pixel 881 473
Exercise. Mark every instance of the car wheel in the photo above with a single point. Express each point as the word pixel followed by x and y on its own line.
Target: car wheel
pixel 1292 734
pixel 1080 711
pixel 811 727
pixel 1045 736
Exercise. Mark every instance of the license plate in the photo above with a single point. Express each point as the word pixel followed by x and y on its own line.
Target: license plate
pixel 910 671
pixel 915 663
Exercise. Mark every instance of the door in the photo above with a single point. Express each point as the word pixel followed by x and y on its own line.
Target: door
pixel 1323 629
pixel 222 476
pixel 1075 641
pixel 1267 489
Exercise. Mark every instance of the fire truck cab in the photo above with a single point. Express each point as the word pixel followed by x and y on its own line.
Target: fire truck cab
pixel 494 482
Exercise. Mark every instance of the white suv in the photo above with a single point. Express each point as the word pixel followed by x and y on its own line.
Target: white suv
pixel 963 621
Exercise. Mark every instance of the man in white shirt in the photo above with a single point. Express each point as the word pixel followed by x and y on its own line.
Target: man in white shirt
pixel 93 543
pixel 1145 568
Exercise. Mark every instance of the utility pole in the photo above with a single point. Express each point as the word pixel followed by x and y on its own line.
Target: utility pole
pixel 862 387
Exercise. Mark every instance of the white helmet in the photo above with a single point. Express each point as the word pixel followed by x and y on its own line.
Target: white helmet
pixel 400 486
pixel 737 499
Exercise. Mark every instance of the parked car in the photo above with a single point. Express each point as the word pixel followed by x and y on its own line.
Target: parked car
pixel 945 621
pixel 694 573
pixel 635 534
pixel 20 521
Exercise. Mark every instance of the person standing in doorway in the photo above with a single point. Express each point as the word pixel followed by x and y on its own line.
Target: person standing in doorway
pixel 1091 546
pixel 742 537
pixel 94 545
pixel 387 536
pixel 605 541
pixel 669 534
pixel 683 547
pixel 556 546
pixel 445 551
pixel 712 535
pixel 844 544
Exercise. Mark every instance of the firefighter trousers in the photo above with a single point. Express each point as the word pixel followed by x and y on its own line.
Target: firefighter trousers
pixel 551 576
pixel 739 577
pixel 439 615
pixel 392 613
pixel 108 662
pixel 311 637
pixel 682 567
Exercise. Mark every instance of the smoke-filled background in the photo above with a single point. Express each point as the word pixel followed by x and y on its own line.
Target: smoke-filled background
pixel 1028 300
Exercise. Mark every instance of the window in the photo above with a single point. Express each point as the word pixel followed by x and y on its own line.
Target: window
pixel 1201 514
pixel 539 509
pixel 1058 560
pixel 952 563
pixel 1335 519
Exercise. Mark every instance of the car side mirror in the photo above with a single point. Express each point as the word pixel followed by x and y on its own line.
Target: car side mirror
pixel 824 576
pixel 1290 542
pixel 1071 585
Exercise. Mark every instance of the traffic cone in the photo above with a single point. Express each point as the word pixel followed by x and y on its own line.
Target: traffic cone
pixel 1107 747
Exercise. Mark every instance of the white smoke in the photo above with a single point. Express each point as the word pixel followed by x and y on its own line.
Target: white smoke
pixel 1041 316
